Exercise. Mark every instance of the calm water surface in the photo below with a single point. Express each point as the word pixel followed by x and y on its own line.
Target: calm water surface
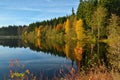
pixel 47 59
pixel 36 62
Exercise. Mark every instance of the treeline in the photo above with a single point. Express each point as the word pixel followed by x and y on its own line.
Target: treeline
pixel 92 21
pixel 62 28
pixel 12 30
pixel 51 23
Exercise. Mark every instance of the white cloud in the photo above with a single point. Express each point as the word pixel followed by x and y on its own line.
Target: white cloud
pixel 48 10
pixel 21 11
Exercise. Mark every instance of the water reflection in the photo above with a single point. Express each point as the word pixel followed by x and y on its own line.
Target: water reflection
pixel 11 43
pixel 83 57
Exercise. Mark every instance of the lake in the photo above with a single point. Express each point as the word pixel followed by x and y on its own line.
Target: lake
pixel 53 60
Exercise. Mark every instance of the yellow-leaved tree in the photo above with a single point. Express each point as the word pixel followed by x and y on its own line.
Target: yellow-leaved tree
pixel 79 29
pixel 67 50
pixel 38 31
pixel 67 26
pixel 38 43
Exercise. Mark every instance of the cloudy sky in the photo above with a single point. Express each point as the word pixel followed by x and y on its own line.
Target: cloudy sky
pixel 20 12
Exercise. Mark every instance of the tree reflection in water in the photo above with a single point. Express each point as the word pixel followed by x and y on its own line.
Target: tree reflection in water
pixel 93 61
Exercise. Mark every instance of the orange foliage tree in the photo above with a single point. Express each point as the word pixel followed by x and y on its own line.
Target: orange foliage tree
pixel 59 27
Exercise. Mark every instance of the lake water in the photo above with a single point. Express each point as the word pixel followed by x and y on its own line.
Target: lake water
pixel 37 62
pixel 47 60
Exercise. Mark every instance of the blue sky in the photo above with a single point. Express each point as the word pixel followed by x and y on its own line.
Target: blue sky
pixel 20 12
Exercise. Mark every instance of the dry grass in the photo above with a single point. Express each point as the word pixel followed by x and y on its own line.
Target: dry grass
pixel 99 73
pixel 94 73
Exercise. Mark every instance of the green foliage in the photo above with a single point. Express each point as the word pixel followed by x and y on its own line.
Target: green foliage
pixel 52 23
pixel 114 26
pixel 98 21
pixel 114 41
pixel 113 6
pixel 12 30
pixel 85 11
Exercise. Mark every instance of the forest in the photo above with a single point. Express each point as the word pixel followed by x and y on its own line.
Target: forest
pixel 95 20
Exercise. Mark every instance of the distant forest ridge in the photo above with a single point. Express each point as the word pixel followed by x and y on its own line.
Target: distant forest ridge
pixel 17 30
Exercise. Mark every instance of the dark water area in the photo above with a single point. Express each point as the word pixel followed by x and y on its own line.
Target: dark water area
pixel 47 60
